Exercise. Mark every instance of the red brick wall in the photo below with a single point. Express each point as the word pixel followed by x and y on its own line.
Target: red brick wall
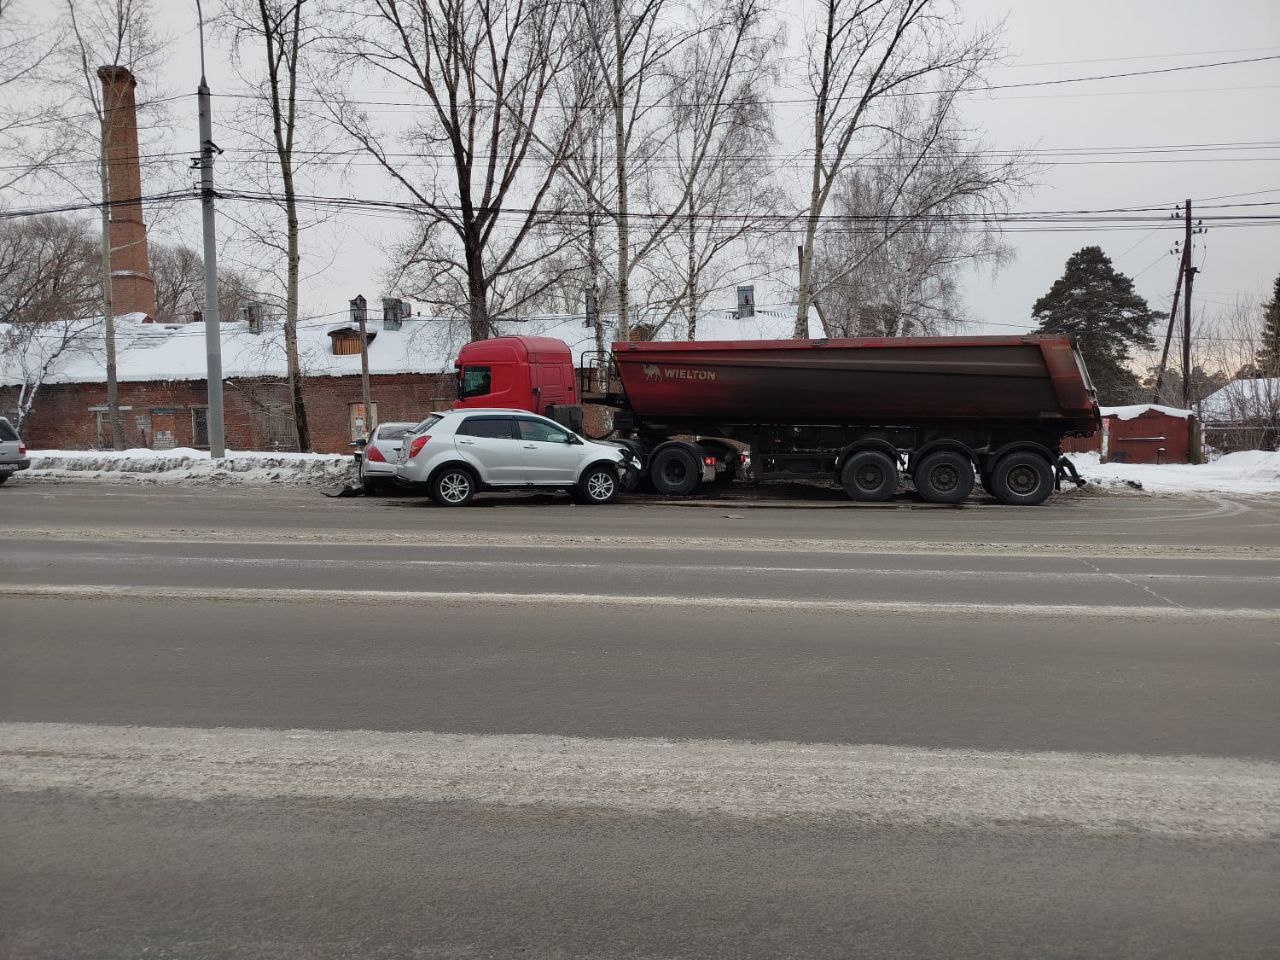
pixel 257 412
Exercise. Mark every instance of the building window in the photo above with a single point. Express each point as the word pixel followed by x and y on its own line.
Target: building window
pixel 200 427
pixel 361 425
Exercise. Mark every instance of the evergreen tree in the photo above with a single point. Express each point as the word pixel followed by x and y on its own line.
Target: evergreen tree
pixel 1268 360
pixel 1098 307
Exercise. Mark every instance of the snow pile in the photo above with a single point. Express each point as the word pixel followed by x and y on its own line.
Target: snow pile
pixel 1135 410
pixel 184 465
pixel 1249 471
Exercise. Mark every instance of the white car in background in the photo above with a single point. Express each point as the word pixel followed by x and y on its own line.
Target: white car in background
pixel 13 455
pixel 378 453
pixel 456 453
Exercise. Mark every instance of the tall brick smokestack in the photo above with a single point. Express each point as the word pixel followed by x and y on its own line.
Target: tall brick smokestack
pixel 132 289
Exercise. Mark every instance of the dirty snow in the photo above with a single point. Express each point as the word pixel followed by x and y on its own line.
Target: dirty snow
pixel 1248 472
pixel 184 465
pixel 1138 409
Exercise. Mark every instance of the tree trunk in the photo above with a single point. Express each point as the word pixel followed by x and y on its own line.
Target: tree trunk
pixel 291 318
pixel 692 280
pixel 804 294
pixel 620 158
pixel 477 293
pixel 593 276
pixel 108 309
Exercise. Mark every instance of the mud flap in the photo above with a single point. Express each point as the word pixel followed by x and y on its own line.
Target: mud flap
pixel 1066 469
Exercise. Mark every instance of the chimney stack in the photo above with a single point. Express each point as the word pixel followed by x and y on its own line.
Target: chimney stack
pixel 132 289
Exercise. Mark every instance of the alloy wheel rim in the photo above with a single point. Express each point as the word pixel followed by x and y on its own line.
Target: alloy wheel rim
pixel 455 488
pixel 600 486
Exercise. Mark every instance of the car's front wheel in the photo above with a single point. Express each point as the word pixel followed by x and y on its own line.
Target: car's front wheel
pixel 597 485
pixel 453 487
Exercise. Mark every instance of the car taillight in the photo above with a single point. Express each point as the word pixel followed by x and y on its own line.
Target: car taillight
pixel 374 455
pixel 417 444
pixel 709 461
pixel 22 451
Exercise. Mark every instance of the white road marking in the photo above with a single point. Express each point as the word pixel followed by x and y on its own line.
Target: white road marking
pixel 545 599
pixel 398 540
pixel 710 568
pixel 1187 796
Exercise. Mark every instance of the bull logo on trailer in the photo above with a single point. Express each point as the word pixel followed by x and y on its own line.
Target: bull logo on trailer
pixel 652 372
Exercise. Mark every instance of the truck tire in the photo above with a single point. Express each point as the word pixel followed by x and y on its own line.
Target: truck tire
pixel 944 476
pixel 598 484
pixel 674 472
pixel 1022 478
pixel 453 486
pixel 869 475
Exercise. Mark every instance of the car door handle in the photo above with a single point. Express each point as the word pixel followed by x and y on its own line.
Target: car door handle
pixel 531 446
pixel 466 443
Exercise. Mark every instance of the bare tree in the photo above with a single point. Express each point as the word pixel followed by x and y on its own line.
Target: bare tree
pixel 107 35
pixel 278 35
pixel 178 272
pixel 719 184
pixel 907 223
pixel 864 55
pixel 486 72
pixel 48 291
pixel 29 132
pixel 631 43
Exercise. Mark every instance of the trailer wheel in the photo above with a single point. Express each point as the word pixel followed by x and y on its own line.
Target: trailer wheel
pixel 944 476
pixel 1022 478
pixel 674 472
pixel 869 475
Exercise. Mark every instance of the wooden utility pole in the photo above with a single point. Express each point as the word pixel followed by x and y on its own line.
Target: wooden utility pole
pixel 360 314
pixel 1189 273
pixel 1168 334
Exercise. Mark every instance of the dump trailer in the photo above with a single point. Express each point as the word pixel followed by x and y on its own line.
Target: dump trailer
pixel 941 412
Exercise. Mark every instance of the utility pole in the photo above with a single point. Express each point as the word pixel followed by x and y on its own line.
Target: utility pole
pixel 212 327
pixel 1168 334
pixel 360 314
pixel 1189 273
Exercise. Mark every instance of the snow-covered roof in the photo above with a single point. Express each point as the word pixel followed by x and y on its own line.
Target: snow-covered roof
pixel 153 351
pixel 1135 410
pixel 1243 399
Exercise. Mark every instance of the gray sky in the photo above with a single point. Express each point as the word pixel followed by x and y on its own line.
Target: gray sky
pixel 1046 40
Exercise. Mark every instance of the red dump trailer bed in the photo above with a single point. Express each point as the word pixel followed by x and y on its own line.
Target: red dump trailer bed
pixel 939 411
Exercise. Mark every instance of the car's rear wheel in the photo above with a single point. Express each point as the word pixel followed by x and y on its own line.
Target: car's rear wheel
pixel 597 485
pixel 945 476
pixel 453 487
pixel 4 477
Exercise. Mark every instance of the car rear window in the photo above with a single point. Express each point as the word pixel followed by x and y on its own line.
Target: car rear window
pixel 498 427
pixel 396 432
pixel 426 424
pixel 7 432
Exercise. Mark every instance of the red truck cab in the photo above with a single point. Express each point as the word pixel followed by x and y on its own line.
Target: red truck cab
pixel 521 373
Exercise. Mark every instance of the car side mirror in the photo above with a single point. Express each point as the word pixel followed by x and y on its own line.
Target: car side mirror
pixel 575 440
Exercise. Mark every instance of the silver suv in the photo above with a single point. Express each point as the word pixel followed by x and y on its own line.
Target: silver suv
pixel 13 455
pixel 454 454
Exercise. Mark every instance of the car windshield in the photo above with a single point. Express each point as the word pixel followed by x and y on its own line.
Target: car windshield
pixel 426 424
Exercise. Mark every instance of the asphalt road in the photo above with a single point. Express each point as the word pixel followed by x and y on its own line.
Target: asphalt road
pixel 262 723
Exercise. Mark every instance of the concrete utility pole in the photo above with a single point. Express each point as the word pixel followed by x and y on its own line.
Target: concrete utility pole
pixel 1168 334
pixel 360 314
pixel 212 327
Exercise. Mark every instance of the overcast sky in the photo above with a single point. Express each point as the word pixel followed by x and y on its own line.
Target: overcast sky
pixel 1047 40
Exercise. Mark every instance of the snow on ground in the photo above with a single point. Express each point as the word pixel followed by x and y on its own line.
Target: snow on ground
pixel 184 465
pixel 1249 471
